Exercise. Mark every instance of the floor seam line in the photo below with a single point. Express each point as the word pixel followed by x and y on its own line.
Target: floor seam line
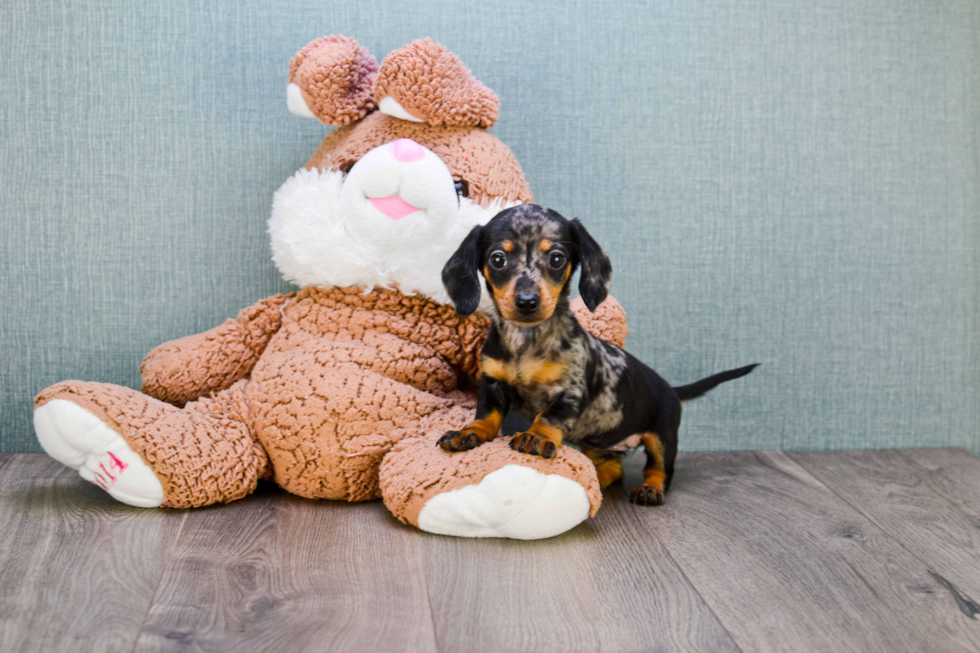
pixel 428 600
pixel 684 574
pixel 156 590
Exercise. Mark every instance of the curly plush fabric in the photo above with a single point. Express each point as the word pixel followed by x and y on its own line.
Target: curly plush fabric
pixel 348 375
pixel 183 370
pixel 608 322
pixel 473 155
pixel 335 76
pixel 416 471
pixel 433 85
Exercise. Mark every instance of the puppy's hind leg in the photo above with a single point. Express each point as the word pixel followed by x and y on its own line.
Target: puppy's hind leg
pixel 658 470
pixel 608 465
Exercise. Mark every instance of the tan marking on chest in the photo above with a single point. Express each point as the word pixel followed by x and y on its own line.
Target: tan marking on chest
pixel 496 369
pixel 529 372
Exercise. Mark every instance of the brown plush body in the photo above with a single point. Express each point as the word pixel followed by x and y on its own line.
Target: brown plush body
pixel 309 389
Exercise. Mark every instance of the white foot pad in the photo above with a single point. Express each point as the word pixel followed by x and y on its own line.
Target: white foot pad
pixel 75 437
pixel 516 502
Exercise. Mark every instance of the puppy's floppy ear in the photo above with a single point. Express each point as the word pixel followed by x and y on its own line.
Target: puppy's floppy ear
pixel 596 267
pixel 461 274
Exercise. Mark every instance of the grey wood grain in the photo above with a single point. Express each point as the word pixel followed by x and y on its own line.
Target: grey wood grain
pixel 897 494
pixel 78 568
pixel 785 564
pixel 606 585
pixel 274 572
pixel 952 473
pixel 870 552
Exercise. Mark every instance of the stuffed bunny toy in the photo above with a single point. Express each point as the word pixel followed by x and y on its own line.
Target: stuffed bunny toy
pixel 314 388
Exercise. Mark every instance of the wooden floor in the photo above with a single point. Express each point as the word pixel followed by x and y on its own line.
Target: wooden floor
pixel 858 551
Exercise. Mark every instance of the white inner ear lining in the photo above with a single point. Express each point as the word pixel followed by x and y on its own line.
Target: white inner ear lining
pixel 391 107
pixel 296 104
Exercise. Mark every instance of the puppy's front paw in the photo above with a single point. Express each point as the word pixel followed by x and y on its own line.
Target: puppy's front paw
pixel 454 441
pixel 533 444
pixel 647 495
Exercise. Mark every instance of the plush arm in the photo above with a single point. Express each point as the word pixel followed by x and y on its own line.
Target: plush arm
pixel 608 322
pixel 188 368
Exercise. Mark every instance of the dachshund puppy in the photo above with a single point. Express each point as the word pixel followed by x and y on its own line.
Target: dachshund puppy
pixel 537 358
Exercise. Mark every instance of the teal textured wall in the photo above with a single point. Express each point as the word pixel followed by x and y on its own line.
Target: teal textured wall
pixel 793 182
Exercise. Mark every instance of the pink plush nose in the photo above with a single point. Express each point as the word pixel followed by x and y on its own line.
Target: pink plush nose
pixel 405 150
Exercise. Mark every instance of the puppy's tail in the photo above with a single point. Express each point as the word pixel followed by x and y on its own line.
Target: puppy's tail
pixel 698 388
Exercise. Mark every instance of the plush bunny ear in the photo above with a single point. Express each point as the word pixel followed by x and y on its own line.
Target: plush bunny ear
pixel 331 80
pixel 424 82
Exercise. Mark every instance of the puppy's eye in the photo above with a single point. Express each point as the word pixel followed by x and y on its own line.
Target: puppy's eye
pixel 462 189
pixel 556 260
pixel 498 260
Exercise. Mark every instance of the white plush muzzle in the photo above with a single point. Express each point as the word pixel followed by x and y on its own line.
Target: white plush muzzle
pixel 326 231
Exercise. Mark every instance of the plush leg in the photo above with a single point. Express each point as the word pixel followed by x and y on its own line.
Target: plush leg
pixel 147 453
pixel 488 491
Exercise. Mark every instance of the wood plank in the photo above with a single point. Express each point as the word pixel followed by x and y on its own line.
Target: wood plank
pixel 274 572
pixel 787 565
pixel 872 551
pixel 898 495
pixel 952 473
pixel 79 568
pixel 605 585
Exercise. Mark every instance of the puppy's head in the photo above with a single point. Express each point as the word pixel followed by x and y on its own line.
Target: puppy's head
pixel 526 255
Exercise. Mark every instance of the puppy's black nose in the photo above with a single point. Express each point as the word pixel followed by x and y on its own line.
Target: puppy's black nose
pixel 527 304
